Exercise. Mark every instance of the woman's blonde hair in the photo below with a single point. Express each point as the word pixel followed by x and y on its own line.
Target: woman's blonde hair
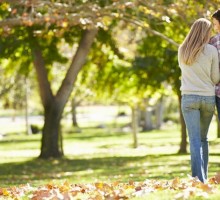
pixel 195 40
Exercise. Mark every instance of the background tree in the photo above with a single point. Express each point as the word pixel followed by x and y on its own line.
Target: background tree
pixel 32 32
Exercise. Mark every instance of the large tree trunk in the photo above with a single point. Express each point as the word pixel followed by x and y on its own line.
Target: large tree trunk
pixel 51 145
pixel 183 143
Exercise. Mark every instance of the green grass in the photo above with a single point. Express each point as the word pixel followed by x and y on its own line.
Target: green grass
pixel 104 155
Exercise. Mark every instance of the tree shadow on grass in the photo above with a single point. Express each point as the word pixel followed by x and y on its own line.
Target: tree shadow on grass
pixel 137 168
pixel 106 168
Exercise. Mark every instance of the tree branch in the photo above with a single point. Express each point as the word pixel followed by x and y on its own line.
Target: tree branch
pixel 152 31
pixel 44 85
pixel 77 63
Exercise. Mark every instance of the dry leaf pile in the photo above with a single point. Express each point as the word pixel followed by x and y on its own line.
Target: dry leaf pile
pixel 184 189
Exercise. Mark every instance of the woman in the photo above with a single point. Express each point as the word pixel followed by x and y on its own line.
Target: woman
pixel 198 61
pixel 215 41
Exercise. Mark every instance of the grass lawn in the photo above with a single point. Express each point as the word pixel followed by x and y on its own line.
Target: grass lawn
pixel 102 155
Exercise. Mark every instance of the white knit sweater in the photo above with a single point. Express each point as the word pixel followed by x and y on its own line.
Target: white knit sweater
pixel 200 77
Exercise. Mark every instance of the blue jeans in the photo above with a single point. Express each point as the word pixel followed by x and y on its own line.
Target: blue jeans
pixel 198 112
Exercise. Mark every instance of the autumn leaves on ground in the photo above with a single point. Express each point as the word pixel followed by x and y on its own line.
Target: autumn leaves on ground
pixel 101 164
pixel 114 190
